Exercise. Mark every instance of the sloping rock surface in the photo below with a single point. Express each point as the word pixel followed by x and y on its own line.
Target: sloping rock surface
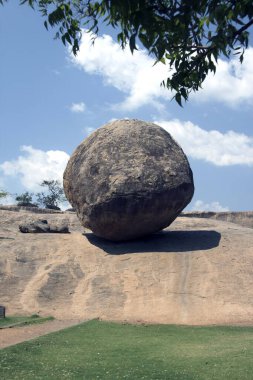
pixel 36 210
pixel 243 218
pixel 199 271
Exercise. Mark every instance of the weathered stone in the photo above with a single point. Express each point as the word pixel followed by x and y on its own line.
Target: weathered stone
pixel 128 179
pixel 42 226
pixel 243 218
pixel 35 210
pixel 59 228
pixel 35 227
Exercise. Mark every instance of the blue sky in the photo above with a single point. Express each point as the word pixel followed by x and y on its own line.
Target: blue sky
pixel 50 101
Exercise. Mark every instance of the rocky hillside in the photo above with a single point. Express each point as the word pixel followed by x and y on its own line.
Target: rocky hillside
pixel 244 218
pixel 199 271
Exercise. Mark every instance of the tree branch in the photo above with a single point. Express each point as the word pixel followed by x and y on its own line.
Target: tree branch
pixel 243 28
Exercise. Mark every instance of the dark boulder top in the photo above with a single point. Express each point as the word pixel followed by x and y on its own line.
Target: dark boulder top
pixel 127 179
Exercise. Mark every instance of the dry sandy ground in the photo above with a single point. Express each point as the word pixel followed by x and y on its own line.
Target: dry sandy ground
pixel 14 335
pixel 197 272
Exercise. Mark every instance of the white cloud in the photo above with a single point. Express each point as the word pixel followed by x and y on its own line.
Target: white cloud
pixel 78 107
pixel 64 206
pixel 8 200
pixel 35 165
pixel 56 72
pixel 137 77
pixel 221 149
pixel 134 75
pixel 88 130
pixel 2 183
pixel 213 206
pixel 232 83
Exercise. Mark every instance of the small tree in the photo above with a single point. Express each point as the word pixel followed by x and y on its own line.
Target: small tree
pixel 3 194
pixel 54 195
pixel 25 199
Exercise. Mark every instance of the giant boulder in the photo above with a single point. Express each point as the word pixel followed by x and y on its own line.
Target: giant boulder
pixel 128 179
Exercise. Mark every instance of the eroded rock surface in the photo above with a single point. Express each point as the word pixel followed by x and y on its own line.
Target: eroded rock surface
pixel 198 271
pixel 243 218
pixel 128 179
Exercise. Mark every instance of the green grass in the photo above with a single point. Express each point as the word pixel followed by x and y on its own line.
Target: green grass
pixel 21 320
pixel 101 350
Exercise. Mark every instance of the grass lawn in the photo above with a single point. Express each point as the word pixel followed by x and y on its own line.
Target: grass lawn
pixel 21 321
pixel 103 350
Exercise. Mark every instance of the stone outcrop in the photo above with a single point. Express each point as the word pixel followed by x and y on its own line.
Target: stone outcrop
pixel 42 226
pixel 128 179
pixel 35 210
pixel 199 271
pixel 243 218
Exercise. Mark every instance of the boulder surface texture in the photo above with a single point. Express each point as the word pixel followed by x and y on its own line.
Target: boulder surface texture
pixel 128 179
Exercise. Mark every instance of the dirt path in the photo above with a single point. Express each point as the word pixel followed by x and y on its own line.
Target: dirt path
pixel 14 335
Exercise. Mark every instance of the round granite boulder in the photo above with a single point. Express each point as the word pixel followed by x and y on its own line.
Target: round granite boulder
pixel 127 179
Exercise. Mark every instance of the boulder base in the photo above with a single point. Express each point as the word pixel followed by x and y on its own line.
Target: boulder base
pixel 128 179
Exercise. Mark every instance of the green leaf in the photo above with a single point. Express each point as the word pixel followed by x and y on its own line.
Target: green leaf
pixel 188 36
pixel 132 44
pixel 178 99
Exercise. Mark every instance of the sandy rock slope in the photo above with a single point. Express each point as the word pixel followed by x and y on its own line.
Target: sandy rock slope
pixel 198 271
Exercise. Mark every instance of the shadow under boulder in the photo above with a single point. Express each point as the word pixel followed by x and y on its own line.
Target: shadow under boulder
pixel 164 241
